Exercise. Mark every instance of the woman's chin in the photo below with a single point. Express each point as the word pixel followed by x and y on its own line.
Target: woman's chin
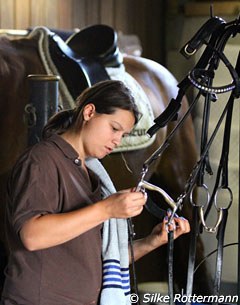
pixel 100 156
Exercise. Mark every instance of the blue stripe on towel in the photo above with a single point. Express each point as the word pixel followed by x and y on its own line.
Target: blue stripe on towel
pixel 111 261
pixel 115 272
pixel 116 277
pixel 112 279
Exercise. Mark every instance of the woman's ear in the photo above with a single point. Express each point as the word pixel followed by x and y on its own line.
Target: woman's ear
pixel 88 112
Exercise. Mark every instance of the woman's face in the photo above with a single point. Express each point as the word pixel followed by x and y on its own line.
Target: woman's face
pixel 101 133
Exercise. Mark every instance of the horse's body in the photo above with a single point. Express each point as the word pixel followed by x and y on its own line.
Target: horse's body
pixel 19 58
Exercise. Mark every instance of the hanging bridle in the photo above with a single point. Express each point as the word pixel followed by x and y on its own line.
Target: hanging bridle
pixel 215 33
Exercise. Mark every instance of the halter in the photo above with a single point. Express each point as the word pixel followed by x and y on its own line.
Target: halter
pixel 214 34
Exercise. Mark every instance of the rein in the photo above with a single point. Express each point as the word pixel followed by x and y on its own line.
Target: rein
pixel 215 33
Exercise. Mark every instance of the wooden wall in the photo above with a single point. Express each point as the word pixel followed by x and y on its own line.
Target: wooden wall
pixel 144 18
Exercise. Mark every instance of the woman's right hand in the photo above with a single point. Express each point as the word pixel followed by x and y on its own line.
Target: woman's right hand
pixel 125 204
pixel 48 230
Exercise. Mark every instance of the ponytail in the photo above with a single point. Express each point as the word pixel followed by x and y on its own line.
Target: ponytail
pixel 58 123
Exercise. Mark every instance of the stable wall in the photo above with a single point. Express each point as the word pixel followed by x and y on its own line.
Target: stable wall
pixel 144 18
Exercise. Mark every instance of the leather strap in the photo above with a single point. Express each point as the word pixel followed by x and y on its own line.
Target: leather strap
pixel 192 252
pixel 219 258
pixel 223 164
pixel 170 267
pixel 154 209
pixel 169 114
pixel 202 35
pixel 204 136
pixel 77 73
pixel 131 235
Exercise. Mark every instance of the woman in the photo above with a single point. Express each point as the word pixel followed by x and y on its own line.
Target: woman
pixel 56 209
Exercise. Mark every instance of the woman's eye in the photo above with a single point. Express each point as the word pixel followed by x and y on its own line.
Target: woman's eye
pixel 114 129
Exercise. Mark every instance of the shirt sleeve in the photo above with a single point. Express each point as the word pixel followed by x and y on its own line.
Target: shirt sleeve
pixel 33 190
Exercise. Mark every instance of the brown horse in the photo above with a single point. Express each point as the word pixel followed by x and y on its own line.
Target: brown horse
pixel 19 58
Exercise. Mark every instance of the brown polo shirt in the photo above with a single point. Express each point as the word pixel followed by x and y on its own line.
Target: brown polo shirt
pixel 49 179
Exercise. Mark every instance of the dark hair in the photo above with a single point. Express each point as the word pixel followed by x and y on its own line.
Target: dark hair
pixel 107 96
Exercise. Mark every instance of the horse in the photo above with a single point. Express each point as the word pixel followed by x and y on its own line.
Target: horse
pixel 19 57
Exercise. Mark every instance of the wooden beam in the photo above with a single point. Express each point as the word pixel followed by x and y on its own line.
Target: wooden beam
pixel 107 12
pixel 65 14
pixel 79 14
pixel 37 13
pixel 220 8
pixel 51 14
pixel 121 16
pixel 92 12
pixel 7 16
pixel 22 14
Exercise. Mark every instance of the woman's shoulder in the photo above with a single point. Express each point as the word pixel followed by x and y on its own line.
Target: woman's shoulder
pixel 43 152
pixel 49 155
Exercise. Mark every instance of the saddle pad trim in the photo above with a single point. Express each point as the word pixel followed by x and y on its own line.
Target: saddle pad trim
pixel 138 138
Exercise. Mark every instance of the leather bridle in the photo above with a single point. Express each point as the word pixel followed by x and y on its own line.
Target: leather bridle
pixel 215 33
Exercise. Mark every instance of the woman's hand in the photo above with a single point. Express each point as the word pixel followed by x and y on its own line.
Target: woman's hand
pixel 125 204
pixel 159 234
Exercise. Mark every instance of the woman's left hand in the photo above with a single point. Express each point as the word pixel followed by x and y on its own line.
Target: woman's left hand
pixel 159 234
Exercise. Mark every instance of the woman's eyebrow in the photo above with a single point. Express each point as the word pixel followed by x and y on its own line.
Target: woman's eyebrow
pixel 127 132
pixel 120 126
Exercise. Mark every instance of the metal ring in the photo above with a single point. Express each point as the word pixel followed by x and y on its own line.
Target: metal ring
pixel 219 219
pixel 204 186
pixel 230 201
pixel 189 53
pixel 30 117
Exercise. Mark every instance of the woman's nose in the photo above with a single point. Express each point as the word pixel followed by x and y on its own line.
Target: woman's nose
pixel 117 139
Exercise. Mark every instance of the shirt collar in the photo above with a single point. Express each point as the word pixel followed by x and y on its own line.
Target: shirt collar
pixel 65 147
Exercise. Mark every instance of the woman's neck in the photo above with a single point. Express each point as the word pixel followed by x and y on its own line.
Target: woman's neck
pixel 75 141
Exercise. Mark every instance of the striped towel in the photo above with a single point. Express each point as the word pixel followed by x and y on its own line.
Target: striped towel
pixel 116 279
pixel 114 276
